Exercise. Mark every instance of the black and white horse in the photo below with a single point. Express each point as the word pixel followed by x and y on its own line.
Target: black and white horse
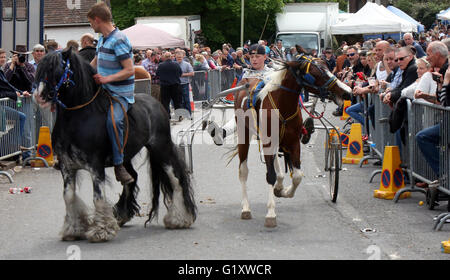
pixel 81 141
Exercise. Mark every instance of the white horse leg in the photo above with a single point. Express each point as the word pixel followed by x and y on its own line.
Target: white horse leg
pixel 243 176
pixel 271 217
pixel 177 215
pixel 104 226
pixel 76 221
pixel 297 176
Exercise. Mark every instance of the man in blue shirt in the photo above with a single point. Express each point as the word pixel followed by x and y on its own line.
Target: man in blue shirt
pixel 115 72
pixel 188 72
pixel 409 41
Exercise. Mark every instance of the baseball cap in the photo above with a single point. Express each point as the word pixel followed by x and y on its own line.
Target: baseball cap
pixel 257 49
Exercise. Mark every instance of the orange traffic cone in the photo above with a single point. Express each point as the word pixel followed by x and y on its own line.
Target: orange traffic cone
pixel 191 98
pixel 230 97
pixel 355 146
pixel 392 175
pixel 44 148
pixel 445 247
pixel 347 103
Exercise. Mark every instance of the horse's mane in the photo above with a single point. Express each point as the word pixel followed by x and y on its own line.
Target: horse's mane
pixel 273 81
pixel 51 68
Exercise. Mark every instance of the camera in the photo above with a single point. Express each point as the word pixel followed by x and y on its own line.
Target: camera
pixel 22 58
pixel 436 78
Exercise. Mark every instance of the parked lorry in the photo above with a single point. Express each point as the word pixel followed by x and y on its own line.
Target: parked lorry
pixel 183 27
pixel 307 24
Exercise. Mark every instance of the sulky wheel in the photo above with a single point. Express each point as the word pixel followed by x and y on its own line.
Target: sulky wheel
pixel 333 165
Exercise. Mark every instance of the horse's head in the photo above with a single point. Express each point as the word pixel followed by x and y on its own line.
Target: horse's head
pixel 59 75
pixel 313 74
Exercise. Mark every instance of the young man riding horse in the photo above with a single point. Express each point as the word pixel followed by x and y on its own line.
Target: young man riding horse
pixel 259 71
pixel 115 73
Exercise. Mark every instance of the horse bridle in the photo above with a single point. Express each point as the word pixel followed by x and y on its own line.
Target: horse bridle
pixel 308 80
pixel 66 79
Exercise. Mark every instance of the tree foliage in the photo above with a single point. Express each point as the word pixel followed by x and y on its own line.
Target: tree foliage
pixel 422 11
pixel 220 19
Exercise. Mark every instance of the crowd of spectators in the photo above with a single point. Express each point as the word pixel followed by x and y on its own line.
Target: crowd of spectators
pixel 395 70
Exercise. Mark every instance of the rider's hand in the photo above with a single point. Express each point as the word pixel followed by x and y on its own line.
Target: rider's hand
pixel 99 79
pixel 14 61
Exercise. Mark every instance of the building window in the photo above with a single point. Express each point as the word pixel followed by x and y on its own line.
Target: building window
pixel 21 10
pixel 7 10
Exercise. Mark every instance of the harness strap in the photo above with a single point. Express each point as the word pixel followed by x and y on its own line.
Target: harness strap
pixel 301 103
pixel 85 104
pixel 282 119
pixel 116 132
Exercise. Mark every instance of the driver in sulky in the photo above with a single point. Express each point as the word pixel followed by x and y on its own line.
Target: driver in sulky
pixel 259 71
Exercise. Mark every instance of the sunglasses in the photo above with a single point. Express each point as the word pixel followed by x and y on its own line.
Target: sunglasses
pixel 39 50
pixel 350 54
pixel 400 58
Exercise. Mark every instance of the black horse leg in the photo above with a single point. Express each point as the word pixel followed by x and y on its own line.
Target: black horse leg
pixel 271 175
pixel 104 226
pixel 76 219
pixel 127 207
pixel 271 178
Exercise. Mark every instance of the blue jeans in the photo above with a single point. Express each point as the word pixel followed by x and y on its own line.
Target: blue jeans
pixel 428 141
pixel 355 111
pixel 185 100
pixel 13 114
pixel 119 121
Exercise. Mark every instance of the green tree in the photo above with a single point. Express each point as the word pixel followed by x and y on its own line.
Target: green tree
pixel 220 19
pixel 342 3
pixel 423 11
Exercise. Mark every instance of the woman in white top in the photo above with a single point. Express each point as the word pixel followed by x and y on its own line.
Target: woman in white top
pixel 424 84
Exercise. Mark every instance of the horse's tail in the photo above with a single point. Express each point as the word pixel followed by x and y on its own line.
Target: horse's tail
pixel 231 154
pixel 169 175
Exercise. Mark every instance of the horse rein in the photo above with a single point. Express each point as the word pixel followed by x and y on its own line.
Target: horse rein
pixel 308 80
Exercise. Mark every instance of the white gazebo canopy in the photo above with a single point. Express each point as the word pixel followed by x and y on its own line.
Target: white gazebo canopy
pixel 444 15
pixel 373 19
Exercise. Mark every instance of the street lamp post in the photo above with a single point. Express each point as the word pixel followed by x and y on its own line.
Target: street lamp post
pixel 242 22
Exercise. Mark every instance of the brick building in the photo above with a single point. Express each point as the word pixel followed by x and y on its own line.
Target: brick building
pixel 66 20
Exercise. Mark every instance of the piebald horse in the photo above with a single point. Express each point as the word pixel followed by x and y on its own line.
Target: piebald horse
pixel 276 117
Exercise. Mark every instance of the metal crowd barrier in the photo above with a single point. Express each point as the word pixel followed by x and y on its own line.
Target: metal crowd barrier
pixel 206 85
pixel 143 86
pixel 17 128
pixel 423 115
pixel 419 117
pixel 380 136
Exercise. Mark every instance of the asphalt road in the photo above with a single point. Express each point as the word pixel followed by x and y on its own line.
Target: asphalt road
pixel 310 226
